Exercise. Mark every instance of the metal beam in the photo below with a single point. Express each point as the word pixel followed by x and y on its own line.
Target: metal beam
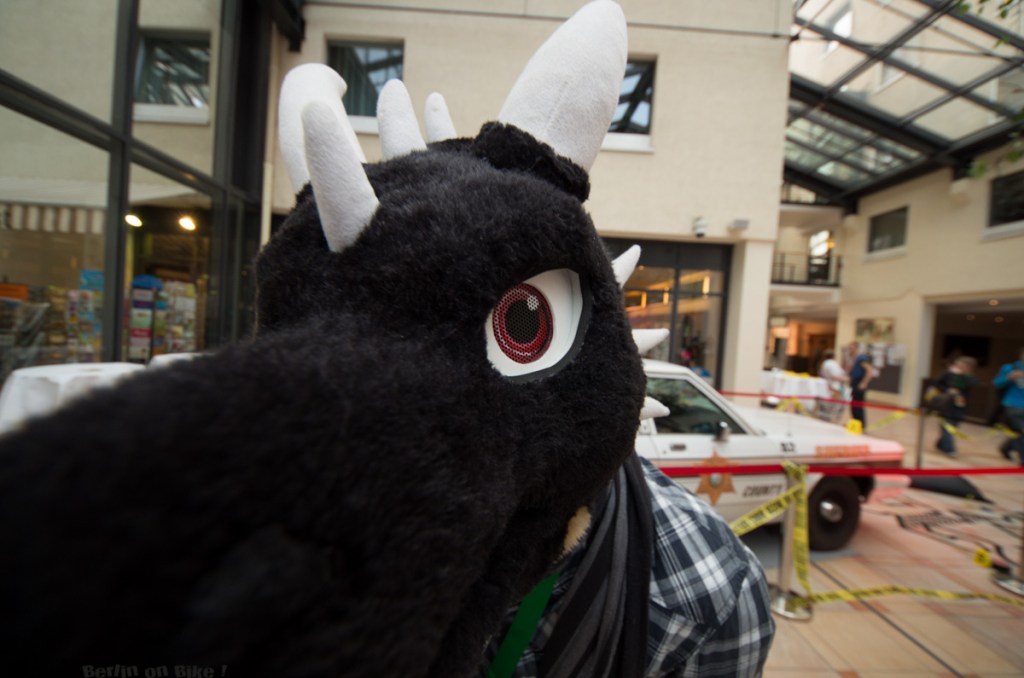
pixel 989 139
pixel 115 238
pixel 831 156
pixel 813 182
pixel 911 171
pixel 875 55
pixel 866 116
pixel 47 109
pixel 895 43
pixel 871 139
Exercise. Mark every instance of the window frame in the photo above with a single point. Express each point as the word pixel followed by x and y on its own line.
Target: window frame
pixel 164 112
pixel 619 129
pixel 361 121
pixel 699 407
pixel 1016 218
pixel 871 249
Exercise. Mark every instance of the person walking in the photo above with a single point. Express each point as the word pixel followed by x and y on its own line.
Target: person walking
pixel 1011 378
pixel 861 374
pixel 955 383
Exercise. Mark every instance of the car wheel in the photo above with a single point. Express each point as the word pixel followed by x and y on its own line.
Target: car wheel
pixel 833 512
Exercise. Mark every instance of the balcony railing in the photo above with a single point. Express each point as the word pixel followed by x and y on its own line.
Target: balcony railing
pixel 800 268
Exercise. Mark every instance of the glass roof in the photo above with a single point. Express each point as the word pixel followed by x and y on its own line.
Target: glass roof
pixel 886 89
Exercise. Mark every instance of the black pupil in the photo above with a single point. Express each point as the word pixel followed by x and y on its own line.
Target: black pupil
pixel 521 323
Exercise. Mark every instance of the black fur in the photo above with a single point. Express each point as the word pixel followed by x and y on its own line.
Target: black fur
pixel 355 491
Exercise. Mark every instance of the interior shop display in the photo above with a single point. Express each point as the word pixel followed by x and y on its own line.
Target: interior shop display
pixel 51 325
pixel 162 317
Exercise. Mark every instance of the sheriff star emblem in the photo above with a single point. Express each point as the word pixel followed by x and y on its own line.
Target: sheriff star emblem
pixel 715 484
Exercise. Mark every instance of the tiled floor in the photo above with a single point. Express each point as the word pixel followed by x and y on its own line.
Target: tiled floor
pixel 922 539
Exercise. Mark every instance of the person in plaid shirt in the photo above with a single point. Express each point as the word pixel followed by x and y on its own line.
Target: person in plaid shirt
pixel 708 606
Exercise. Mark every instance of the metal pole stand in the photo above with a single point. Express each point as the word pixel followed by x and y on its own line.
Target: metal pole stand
pixel 783 598
pixel 922 415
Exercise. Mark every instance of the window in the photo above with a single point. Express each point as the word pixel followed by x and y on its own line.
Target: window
pixel 365 68
pixel 888 231
pixel 682 289
pixel 633 114
pixel 1007 204
pixel 690 411
pixel 174 71
pixel 820 244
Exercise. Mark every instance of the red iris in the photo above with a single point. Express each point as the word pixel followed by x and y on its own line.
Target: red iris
pixel 522 323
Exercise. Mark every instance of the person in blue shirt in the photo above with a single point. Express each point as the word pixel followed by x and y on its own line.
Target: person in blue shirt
pixel 1011 378
pixel 861 374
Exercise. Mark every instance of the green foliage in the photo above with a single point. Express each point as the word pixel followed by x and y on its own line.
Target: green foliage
pixel 1002 7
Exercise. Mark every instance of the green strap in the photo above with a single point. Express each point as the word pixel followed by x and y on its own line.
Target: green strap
pixel 521 631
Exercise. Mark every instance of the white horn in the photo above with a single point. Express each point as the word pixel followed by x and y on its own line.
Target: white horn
pixel 303 84
pixel 653 409
pixel 625 264
pixel 567 94
pixel 399 131
pixel 344 197
pixel 437 119
pixel 645 340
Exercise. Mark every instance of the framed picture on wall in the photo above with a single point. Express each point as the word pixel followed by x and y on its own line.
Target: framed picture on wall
pixel 875 330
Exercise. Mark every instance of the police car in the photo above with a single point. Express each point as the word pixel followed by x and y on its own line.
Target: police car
pixel 704 429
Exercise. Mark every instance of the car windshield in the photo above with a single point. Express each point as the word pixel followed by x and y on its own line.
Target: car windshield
pixel 690 410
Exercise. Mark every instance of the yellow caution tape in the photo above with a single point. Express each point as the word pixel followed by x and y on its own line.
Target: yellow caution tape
pixel 952 430
pixel 797 496
pixel 999 428
pixel 894 417
pixel 801 543
pixel 765 513
pixel 800 407
pixel 859 594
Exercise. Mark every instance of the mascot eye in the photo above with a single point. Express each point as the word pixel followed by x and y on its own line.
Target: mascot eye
pixel 536 326
pixel 521 322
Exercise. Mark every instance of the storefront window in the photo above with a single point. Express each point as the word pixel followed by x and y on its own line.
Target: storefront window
pixel 682 289
pixel 649 302
pixel 101 263
pixel 52 212
pixel 697 341
pixel 167 267
pixel 698 318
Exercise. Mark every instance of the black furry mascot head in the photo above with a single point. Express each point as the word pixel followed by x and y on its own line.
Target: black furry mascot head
pixel 441 381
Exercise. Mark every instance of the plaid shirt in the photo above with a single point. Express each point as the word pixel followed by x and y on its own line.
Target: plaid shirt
pixel 709 612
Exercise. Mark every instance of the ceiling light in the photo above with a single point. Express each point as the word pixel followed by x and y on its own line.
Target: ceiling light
pixel 999 318
pixel 132 220
pixel 993 302
pixel 970 316
pixel 187 223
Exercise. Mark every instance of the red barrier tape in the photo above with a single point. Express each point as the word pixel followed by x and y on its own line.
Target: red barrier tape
pixel 687 471
pixel 784 398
